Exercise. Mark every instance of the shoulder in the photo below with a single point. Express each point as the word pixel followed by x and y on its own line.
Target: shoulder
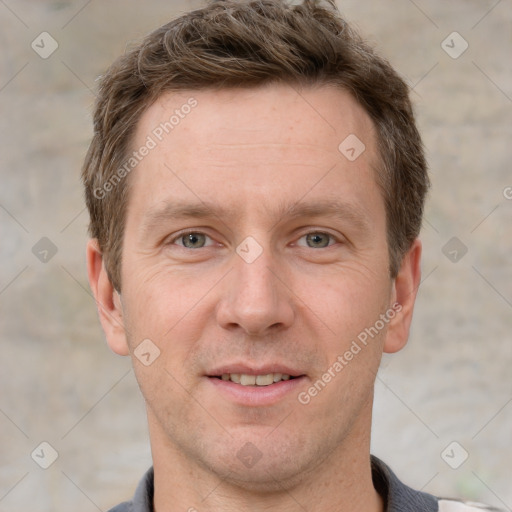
pixel 122 507
pixel 448 505
pixel 143 498
pixel 402 498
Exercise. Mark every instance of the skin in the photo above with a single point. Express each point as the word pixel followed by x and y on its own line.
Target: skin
pixel 255 153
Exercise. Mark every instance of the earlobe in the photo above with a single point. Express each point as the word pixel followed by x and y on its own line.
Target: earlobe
pixel 405 288
pixel 107 299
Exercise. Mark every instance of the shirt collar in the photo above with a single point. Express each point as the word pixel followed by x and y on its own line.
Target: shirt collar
pixel 398 496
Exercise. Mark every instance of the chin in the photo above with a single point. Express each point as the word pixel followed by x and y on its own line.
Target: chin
pixel 261 463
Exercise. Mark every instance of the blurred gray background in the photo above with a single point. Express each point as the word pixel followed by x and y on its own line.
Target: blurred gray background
pixel 448 395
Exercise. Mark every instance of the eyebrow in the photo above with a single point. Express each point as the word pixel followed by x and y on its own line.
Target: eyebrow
pixel 330 208
pixel 178 210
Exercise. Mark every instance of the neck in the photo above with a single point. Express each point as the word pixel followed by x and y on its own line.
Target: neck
pixel 340 483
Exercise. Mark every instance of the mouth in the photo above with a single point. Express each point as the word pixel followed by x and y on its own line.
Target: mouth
pixel 263 386
pixel 246 379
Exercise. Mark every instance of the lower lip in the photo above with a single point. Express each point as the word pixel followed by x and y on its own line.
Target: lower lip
pixel 257 395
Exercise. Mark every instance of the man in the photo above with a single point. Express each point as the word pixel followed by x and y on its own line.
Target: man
pixel 256 185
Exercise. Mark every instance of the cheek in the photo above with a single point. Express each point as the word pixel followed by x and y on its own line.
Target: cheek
pixel 351 308
pixel 173 310
pixel 160 299
pixel 344 384
pixel 347 302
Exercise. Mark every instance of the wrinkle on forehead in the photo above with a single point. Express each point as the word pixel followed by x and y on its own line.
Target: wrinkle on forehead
pixel 289 154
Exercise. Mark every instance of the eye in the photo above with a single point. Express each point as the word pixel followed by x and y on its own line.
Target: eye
pixel 317 240
pixel 192 240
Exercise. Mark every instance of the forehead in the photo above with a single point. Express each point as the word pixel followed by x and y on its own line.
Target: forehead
pixel 321 116
pixel 235 144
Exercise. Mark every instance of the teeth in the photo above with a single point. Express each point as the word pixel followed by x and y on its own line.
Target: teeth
pixel 247 380
pixel 265 380
pixel 255 380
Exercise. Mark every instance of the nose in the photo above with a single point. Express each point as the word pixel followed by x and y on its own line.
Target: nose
pixel 254 299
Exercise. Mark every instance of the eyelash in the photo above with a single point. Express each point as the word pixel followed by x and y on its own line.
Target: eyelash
pixel 184 234
pixel 195 232
pixel 331 237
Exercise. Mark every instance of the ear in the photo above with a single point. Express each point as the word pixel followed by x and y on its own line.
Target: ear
pixel 108 300
pixel 405 288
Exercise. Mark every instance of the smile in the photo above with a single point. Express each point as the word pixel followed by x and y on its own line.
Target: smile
pixel 256 390
pixel 255 380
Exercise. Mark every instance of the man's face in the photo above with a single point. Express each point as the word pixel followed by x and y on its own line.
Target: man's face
pixel 254 246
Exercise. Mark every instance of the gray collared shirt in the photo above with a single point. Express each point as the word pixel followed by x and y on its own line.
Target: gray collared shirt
pixel 397 496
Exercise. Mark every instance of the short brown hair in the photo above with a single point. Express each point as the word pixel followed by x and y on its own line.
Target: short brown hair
pixel 250 43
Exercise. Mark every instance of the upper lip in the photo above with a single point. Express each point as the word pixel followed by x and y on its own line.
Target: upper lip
pixel 244 368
